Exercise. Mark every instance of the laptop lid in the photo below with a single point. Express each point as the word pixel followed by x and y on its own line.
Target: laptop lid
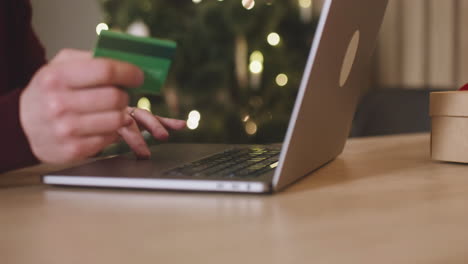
pixel 336 71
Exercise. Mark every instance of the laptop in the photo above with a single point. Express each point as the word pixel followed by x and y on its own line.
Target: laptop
pixel 335 71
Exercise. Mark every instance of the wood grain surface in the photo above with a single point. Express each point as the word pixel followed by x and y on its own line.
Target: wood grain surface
pixel 382 201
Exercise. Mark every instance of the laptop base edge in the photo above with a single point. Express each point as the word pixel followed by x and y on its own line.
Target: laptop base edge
pixel 161 184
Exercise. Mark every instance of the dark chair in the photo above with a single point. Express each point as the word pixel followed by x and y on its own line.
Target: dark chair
pixel 392 111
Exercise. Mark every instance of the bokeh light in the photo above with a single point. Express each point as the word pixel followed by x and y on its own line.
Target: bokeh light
pixel 305 3
pixel 256 56
pixel 193 119
pixel 248 4
pixel 144 103
pixel 273 39
pixel 251 128
pixel 100 27
pixel 256 67
pixel 281 79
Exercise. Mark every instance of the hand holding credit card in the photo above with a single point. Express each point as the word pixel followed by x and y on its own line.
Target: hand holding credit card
pixel 152 56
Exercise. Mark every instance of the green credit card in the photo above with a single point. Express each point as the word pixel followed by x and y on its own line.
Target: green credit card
pixel 153 56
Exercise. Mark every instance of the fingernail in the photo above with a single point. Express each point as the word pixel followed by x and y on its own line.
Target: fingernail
pixel 163 136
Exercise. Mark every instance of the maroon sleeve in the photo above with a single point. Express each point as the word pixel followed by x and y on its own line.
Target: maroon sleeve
pixel 15 151
pixel 24 56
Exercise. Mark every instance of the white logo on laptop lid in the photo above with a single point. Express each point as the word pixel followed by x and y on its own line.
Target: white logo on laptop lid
pixel 349 58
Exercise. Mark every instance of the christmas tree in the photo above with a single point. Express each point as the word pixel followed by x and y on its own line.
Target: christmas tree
pixel 238 64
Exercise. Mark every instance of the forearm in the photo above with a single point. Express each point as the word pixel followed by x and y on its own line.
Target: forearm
pixel 15 151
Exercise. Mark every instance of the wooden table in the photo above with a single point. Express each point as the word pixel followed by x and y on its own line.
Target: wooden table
pixel 382 201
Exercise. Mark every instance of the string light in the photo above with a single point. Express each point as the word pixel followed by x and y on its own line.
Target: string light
pixel 248 4
pixel 305 3
pixel 193 119
pixel 256 56
pixel 194 115
pixel 256 67
pixel 273 39
pixel 251 128
pixel 144 103
pixel 196 1
pixel 100 27
pixel 281 79
pixel 138 28
pixel 192 125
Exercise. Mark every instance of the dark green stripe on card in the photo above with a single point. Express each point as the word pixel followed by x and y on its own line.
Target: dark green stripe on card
pixel 136 45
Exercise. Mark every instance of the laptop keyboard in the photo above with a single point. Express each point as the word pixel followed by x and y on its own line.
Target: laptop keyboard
pixel 233 163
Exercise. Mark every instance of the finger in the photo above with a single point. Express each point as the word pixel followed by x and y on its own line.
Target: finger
pixel 98 72
pixel 71 54
pixel 89 146
pixel 174 124
pixel 132 135
pixel 150 122
pixel 97 100
pixel 93 124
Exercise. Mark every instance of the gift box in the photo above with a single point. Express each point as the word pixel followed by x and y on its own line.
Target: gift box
pixel 449 122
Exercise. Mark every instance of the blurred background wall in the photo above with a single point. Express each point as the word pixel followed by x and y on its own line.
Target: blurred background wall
pixel 424 44
pixel 423 47
pixel 66 23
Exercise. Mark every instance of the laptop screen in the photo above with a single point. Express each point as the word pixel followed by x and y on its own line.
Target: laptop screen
pixel 238 64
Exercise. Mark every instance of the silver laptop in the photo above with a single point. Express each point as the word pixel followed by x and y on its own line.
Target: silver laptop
pixel 336 70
